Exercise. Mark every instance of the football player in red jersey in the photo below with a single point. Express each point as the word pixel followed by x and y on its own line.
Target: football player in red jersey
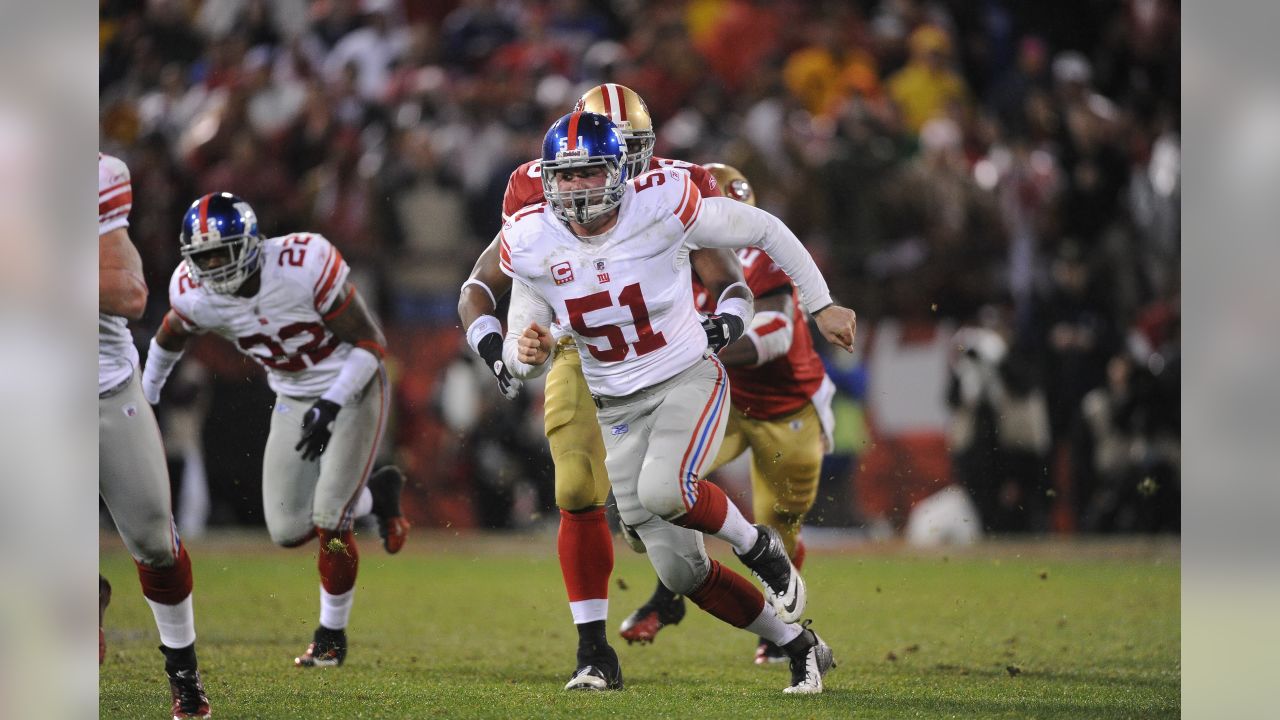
pixel 581 481
pixel 781 411
pixel 288 303
pixel 133 478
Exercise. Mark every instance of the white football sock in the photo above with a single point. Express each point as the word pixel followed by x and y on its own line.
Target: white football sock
pixel 736 531
pixel 770 627
pixel 176 623
pixel 335 610
pixel 585 611
pixel 364 504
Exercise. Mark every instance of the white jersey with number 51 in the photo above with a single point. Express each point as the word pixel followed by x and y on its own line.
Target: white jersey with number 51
pixel 283 325
pixel 626 296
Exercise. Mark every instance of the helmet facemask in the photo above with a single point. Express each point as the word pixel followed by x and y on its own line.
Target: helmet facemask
pixel 241 257
pixel 585 205
pixel 639 150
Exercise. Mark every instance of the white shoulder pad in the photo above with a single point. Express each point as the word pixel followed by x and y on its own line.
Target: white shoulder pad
pixel 669 193
pixel 310 259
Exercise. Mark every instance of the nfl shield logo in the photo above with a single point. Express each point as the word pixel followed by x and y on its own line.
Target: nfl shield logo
pixel 601 275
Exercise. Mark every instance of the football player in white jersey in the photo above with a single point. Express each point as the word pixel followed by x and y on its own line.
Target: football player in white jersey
pixel 133 477
pixel 286 302
pixel 581 484
pixel 607 261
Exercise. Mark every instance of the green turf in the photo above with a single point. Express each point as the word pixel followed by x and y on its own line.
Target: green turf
pixel 478 627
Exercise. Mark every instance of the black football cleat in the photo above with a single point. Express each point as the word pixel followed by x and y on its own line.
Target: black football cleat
pixel 189 700
pixel 385 485
pixel 811 659
pixel 327 649
pixel 596 677
pixel 600 672
pixel 768 561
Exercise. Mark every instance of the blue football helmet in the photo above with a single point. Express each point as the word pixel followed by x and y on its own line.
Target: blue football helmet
pixel 578 140
pixel 220 242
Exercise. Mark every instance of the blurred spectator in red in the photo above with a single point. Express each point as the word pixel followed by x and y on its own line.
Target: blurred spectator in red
pixel 535 52
pixel 665 73
pixel 743 34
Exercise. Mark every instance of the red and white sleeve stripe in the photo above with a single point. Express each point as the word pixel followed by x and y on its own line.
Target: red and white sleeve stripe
pixel 690 204
pixel 327 286
pixel 115 194
pixel 504 255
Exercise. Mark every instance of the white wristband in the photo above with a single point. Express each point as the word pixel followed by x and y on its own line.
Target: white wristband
pixel 354 375
pixel 160 363
pixel 740 307
pixel 479 329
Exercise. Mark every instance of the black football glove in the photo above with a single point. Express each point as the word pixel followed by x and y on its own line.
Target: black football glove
pixel 491 351
pixel 317 428
pixel 722 330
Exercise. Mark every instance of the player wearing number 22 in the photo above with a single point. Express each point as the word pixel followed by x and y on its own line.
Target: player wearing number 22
pixel 607 261
pixel 286 302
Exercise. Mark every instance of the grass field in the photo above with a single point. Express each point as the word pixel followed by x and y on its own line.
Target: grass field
pixel 477 626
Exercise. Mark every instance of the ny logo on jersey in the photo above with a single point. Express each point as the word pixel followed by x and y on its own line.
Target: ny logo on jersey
pixel 562 273
pixel 601 275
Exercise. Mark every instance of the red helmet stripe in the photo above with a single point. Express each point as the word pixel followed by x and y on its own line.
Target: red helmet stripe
pixel 204 214
pixel 608 103
pixel 620 100
pixel 573 131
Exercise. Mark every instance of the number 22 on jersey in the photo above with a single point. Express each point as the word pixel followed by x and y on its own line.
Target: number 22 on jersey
pixel 631 296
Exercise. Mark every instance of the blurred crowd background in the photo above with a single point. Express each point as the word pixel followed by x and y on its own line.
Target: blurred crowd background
pixel 993 185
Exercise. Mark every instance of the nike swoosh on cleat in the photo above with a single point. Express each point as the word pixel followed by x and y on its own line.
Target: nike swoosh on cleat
pixel 795 595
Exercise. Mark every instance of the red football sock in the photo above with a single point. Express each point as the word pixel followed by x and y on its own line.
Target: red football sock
pixel 167 585
pixel 586 554
pixel 339 560
pixel 709 510
pixel 798 560
pixel 729 596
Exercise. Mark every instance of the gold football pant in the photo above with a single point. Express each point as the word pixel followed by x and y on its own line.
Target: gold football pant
pixel 786 461
pixel 574 435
